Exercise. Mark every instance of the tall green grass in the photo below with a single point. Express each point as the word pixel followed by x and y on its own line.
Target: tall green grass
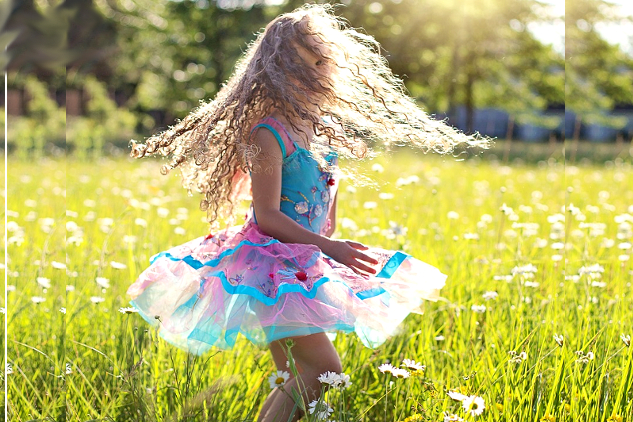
pixel 110 216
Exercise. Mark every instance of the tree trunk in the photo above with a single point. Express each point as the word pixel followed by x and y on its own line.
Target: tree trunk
pixel 506 153
pixel 576 139
pixel 470 108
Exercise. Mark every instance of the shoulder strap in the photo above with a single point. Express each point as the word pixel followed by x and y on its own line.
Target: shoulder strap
pixel 277 136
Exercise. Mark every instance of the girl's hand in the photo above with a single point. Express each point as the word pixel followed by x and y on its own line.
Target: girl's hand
pixel 349 253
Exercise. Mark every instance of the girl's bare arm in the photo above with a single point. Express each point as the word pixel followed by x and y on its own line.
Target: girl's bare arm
pixel 266 183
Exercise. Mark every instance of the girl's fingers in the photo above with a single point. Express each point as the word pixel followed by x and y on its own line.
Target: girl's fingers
pixel 357 245
pixel 359 265
pixel 365 257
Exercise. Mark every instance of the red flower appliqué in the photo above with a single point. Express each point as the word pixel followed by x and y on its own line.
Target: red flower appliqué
pixel 331 181
pixel 209 236
pixel 301 275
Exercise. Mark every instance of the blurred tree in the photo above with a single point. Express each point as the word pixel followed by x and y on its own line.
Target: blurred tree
pixel 598 75
pixel 475 54
pixel 172 54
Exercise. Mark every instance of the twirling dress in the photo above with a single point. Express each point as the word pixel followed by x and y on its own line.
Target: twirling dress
pixel 203 293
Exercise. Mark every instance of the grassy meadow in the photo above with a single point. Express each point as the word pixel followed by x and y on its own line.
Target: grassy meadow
pixel 535 317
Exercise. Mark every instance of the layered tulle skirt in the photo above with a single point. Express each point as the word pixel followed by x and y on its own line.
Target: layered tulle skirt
pixel 204 293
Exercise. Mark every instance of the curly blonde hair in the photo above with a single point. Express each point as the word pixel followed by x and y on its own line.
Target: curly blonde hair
pixel 362 98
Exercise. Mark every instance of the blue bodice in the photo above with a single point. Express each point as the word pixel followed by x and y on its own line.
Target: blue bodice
pixel 307 190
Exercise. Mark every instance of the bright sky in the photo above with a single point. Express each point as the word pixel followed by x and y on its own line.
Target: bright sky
pixel 616 33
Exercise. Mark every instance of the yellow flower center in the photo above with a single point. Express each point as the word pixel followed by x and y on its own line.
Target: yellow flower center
pixel 279 380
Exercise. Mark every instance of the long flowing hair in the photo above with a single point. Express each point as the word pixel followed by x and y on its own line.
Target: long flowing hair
pixel 362 102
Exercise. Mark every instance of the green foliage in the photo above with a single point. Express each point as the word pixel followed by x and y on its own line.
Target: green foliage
pixel 598 74
pixel 465 53
pixel 103 122
pixel 43 123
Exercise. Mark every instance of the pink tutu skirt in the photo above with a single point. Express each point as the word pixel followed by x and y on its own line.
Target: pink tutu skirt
pixel 203 293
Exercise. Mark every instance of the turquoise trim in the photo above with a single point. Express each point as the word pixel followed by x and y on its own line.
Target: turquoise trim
pixel 195 264
pixel 392 265
pixel 277 136
pixel 388 270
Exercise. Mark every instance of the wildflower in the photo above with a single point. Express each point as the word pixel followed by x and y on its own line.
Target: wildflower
pixel 521 269
pixel 439 338
pixel 103 282
pixel 474 404
pixel 38 299
pixel 62 310
pixel 385 195
pixel 117 265
pixel 320 409
pixel 8 369
pixel 377 168
pixel 343 381
pixel 278 379
pixel 452 417
pixel 626 339
pixel 480 309
pixel 96 299
pixel 615 418
pixel 330 378
pixel 180 231
pixel 3 311
pixel 452 215
pixel 490 295
pixel 547 418
pixel 386 367
pixel 370 205
pixel 128 310
pixel 559 339
pixel 413 366
pixel 69 369
pixel 44 282
pixel 517 359
pixel 400 373
pixel 140 222
pixel 58 265
pixel 584 359
pixel 456 395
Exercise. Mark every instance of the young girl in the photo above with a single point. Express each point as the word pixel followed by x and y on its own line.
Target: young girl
pixel 308 90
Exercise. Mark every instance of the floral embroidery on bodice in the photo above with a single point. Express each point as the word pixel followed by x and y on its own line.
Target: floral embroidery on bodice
pixel 307 190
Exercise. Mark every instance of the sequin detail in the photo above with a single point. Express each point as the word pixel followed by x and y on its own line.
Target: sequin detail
pixel 301 207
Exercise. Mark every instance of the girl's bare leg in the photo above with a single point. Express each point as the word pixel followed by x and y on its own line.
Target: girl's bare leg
pixel 313 355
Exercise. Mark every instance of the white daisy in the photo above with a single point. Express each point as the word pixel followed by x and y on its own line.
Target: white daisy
pixel 452 418
pixel 44 282
pixel 480 309
pixel 344 381
pixel 474 404
pixel 96 299
pixel 400 373
pixel 490 295
pixel 413 365
pixel 128 310
pixel 117 265
pixel 456 395
pixel 278 379
pixel 320 409
pixel 386 367
pixel 330 378
pixel 103 282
